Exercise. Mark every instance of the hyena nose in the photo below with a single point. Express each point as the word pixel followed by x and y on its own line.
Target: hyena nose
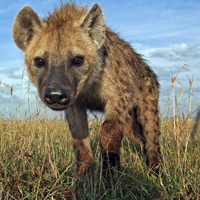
pixel 54 95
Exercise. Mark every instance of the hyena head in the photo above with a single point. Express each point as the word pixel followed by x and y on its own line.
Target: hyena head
pixel 63 53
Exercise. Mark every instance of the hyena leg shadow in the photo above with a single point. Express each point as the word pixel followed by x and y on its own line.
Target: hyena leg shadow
pixel 77 119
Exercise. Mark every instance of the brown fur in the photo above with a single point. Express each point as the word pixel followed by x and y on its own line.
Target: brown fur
pixel 113 78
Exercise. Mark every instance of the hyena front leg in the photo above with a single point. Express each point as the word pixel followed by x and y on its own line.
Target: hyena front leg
pixel 77 119
pixel 111 134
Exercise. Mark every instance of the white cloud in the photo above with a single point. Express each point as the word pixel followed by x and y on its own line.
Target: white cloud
pixel 186 50
pixel 11 72
pixel 177 52
pixel 160 53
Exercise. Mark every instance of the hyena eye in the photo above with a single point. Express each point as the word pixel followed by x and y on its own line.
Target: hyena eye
pixel 78 61
pixel 39 62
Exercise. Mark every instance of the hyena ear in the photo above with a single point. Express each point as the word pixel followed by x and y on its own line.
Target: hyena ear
pixel 26 24
pixel 94 25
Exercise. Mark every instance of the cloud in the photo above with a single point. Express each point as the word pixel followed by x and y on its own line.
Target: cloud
pixel 7 98
pixel 12 72
pixel 160 53
pixel 187 51
pixel 184 48
pixel 177 52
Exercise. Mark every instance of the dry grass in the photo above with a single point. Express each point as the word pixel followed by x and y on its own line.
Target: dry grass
pixel 36 162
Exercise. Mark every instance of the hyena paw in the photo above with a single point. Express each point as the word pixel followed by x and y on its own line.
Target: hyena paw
pixel 83 167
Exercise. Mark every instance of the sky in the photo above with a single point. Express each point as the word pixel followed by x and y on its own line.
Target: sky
pixel 166 33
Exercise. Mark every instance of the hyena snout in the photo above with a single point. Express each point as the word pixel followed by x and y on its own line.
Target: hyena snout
pixel 56 95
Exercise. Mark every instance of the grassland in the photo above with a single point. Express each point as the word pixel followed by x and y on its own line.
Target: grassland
pixel 37 158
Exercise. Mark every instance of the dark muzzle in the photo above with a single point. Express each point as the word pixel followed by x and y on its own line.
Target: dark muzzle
pixel 56 95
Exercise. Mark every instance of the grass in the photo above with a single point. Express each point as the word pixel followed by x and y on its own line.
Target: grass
pixel 37 161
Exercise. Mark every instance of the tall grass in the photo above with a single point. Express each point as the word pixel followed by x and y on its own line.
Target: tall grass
pixel 37 159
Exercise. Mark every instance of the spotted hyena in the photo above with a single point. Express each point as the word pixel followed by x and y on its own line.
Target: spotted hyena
pixel 78 63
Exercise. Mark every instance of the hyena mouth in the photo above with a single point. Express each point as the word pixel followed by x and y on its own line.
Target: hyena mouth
pixel 57 98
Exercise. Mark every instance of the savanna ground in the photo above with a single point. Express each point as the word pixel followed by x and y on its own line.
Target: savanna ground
pixel 37 160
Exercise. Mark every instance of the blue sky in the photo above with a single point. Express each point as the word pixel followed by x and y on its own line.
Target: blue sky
pixel 166 33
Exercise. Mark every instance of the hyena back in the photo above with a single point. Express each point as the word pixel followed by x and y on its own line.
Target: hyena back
pixel 77 63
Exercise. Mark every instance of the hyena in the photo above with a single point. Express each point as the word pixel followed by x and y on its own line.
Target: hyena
pixel 78 63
